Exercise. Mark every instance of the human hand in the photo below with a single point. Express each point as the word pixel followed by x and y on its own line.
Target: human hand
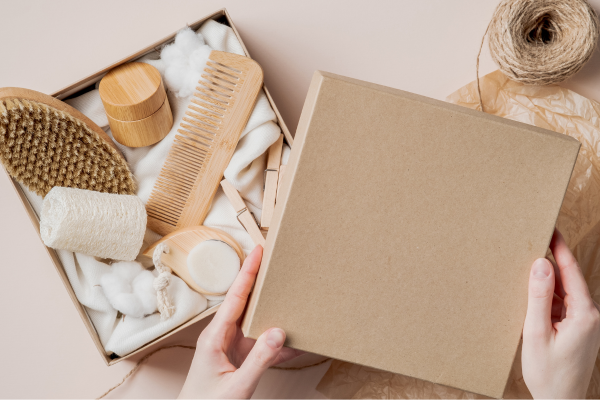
pixel 226 364
pixel 561 335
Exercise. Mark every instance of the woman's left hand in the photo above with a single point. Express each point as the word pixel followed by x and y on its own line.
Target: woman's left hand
pixel 226 364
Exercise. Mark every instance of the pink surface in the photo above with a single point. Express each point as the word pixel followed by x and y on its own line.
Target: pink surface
pixel 427 47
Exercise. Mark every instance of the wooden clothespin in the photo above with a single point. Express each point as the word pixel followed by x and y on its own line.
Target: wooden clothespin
pixel 244 215
pixel 271 178
pixel 281 171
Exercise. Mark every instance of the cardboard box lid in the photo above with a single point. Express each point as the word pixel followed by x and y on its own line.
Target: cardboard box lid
pixel 406 232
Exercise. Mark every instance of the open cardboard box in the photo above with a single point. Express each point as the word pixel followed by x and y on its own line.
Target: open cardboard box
pixel 220 16
pixel 405 233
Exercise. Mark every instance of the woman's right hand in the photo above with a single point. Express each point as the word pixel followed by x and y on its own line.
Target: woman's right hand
pixel 561 336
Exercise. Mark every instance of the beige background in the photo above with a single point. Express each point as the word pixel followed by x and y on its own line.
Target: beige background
pixel 426 46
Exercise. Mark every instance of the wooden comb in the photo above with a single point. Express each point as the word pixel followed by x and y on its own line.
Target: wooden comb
pixel 204 143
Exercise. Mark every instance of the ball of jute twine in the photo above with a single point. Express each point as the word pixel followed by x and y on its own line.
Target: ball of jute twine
pixel 541 42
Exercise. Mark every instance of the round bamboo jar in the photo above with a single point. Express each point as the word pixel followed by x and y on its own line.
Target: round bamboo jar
pixel 136 104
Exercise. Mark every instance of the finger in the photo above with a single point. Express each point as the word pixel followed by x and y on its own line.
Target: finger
pixel 570 274
pixel 244 346
pixel 538 323
pixel 287 354
pixel 261 357
pixel 237 296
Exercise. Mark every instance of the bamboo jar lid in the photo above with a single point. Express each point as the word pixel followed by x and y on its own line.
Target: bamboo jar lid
pixel 136 104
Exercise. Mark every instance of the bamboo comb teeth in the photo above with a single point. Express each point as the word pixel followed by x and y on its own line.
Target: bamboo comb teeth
pixel 204 143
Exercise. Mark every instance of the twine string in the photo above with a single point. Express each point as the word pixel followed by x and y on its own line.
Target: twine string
pixel 139 364
pixel 477 68
pixel 161 283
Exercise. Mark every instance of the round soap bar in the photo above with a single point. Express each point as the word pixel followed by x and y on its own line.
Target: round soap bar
pixel 213 265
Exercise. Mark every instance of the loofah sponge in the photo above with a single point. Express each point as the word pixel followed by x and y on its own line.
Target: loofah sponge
pixel 43 147
pixel 97 224
pixel 129 289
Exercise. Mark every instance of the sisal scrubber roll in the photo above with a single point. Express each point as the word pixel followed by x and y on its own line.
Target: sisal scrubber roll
pixel 97 224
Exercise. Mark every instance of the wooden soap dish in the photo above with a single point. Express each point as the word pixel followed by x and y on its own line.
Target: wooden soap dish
pixel 182 241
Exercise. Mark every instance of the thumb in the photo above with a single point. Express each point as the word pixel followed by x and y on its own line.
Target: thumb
pixel 538 322
pixel 265 350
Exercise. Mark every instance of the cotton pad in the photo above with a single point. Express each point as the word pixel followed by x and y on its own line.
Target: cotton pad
pixel 213 265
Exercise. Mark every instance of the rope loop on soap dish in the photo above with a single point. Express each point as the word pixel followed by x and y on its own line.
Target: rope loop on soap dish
pixel 161 282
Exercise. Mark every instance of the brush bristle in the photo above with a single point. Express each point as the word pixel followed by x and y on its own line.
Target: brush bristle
pixel 43 147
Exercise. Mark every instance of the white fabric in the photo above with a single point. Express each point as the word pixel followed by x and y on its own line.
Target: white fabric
pixel 97 224
pixel 245 172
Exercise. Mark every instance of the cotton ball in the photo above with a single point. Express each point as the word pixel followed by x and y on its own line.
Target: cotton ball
pixel 188 41
pixel 172 54
pixel 143 287
pixel 184 62
pixel 113 284
pixel 213 265
pixel 126 270
pixel 129 289
pixel 199 58
pixel 190 82
pixel 128 304
pixel 175 77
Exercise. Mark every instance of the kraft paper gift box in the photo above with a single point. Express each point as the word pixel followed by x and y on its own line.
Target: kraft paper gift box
pixel 81 85
pixel 405 232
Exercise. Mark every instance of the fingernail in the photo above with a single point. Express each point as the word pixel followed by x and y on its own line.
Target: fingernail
pixel 541 268
pixel 276 338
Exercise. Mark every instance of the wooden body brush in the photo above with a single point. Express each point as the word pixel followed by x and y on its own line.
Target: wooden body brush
pixel 45 143
pixel 206 140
